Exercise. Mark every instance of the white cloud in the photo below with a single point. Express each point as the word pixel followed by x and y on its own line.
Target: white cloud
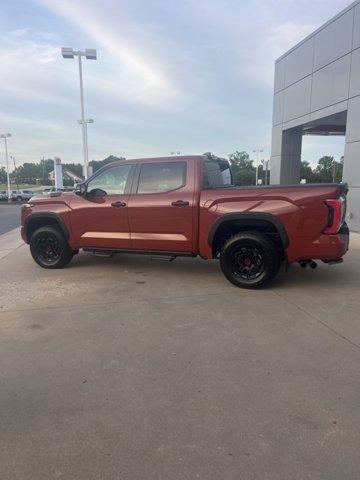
pixel 193 75
pixel 258 66
pixel 18 33
pixel 135 66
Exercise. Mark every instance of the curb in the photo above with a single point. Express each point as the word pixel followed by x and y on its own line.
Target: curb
pixel 10 241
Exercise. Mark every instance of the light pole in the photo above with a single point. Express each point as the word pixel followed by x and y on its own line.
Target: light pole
pixel 16 178
pixel 266 165
pixel 83 123
pixel 90 54
pixel 5 136
pixel 257 165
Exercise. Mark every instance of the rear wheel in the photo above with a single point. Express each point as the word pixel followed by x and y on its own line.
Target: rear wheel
pixel 49 248
pixel 249 260
pixel 19 199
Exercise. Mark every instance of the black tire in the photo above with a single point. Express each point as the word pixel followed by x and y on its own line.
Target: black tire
pixel 249 260
pixel 49 248
pixel 19 199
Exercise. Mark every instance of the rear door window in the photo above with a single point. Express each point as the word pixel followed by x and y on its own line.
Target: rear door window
pixel 161 177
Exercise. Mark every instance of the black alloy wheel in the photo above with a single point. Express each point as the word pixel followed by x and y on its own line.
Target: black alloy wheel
pixel 49 248
pixel 247 262
pixel 250 260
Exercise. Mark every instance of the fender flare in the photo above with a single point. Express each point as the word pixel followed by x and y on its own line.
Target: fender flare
pixel 36 215
pixel 248 216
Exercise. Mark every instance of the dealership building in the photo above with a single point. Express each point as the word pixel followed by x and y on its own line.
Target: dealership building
pixel 317 92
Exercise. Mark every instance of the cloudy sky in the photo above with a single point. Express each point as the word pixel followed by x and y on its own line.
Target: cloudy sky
pixel 186 75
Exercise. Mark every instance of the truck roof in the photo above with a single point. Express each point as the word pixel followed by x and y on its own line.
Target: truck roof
pixel 170 158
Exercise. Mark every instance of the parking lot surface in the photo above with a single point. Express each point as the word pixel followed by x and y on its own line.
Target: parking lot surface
pixel 9 216
pixel 129 368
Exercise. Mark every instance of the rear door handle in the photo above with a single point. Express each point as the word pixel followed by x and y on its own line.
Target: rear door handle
pixel 118 204
pixel 179 203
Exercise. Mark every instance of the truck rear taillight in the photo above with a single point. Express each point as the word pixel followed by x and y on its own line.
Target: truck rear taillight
pixel 337 211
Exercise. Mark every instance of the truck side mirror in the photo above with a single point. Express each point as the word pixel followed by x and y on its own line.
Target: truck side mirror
pixel 81 189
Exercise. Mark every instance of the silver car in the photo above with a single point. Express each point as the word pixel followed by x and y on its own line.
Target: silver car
pixel 3 195
pixel 21 195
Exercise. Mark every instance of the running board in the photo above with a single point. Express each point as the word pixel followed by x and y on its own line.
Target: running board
pixel 163 258
pixel 155 254
pixel 100 253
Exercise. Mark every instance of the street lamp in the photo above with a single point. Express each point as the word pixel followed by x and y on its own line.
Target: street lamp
pixel 257 165
pixel 84 125
pixel 90 54
pixel 16 178
pixel 5 136
pixel 265 164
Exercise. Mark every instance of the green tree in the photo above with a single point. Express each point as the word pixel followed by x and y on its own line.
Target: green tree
pixel 96 164
pixel 242 167
pixel 3 177
pixel 306 171
pixel 328 170
pixel 324 169
pixel 339 168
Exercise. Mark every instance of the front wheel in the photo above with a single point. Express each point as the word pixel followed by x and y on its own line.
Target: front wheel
pixel 49 248
pixel 249 260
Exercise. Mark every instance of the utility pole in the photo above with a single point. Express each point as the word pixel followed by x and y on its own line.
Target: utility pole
pixel 5 136
pixel 257 165
pixel 265 164
pixel 90 54
pixel 266 172
pixel 43 169
pixel 16 177
pixel 334 170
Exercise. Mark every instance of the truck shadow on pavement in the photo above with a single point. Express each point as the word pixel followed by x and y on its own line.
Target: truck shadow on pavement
pixel 196 269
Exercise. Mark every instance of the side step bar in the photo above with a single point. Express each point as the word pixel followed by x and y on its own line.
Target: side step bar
pixel 155 255
pixel 163 258
pixel 100 253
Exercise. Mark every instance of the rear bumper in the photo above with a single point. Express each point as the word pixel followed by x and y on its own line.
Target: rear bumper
pixel 326 247
pixel 341 245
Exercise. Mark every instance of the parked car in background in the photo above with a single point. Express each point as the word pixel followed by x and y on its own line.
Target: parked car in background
pixel 3 195
pixel 21 195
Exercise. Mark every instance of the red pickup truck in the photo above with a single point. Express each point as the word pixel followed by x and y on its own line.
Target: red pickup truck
pixel 188 206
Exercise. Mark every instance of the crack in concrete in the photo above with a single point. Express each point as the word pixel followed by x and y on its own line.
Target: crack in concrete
pixel 324 324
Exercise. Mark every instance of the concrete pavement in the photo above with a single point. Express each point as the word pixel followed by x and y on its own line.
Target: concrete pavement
pixel 10 241
pixel 128 368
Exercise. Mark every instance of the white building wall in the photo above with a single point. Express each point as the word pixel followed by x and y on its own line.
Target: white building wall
pixel 317 78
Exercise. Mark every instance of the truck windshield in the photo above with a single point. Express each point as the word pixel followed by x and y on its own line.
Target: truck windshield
pixel 217 173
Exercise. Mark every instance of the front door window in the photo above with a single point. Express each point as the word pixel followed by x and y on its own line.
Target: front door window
pixel 112 180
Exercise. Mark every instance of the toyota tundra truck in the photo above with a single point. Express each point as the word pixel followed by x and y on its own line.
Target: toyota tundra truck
pixel 188 206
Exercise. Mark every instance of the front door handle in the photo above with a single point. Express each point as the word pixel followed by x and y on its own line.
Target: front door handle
pixel 118 204
pixel 180 203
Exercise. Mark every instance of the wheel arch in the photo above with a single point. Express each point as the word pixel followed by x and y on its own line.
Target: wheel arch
pixel 42 219
pixel 235 222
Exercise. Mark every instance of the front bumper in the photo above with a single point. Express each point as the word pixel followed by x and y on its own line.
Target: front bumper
pixel 23 235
